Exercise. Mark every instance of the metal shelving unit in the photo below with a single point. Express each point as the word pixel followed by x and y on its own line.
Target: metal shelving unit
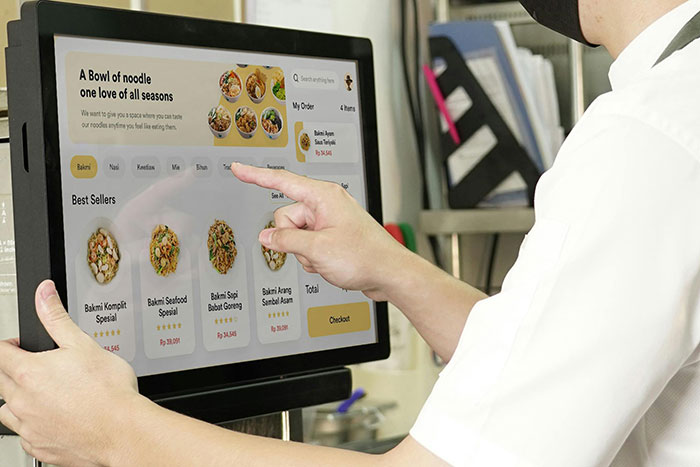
pixel 579 80
pixel 476 221
pixel 453 223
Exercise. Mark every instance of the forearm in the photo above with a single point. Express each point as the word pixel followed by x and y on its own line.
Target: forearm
pixel 150 435
pixel 436 303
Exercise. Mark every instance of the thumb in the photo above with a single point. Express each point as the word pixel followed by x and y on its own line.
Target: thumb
pixel 54 317
pixel 295 241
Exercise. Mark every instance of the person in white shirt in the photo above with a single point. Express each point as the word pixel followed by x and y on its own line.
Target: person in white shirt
pixel 588 357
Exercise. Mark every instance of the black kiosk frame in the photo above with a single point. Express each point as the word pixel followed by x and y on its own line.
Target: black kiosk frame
pixel 216 394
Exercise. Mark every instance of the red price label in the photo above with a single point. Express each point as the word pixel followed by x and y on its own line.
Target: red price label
pixel 226 334
pixel 112 348
pixel 169 341
pixel 324 152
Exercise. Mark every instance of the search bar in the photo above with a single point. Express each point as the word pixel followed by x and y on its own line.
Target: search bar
pixel 315 79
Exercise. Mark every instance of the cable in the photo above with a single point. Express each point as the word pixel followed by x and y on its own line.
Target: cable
pixel 417 74
pixel 412 89
pixel 416 107
pixel 406 74
pixel 491 264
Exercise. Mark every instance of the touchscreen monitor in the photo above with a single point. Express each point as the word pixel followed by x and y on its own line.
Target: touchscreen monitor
pixel 163 263
pixel 153 242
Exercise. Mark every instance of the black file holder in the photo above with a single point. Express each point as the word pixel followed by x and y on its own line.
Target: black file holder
pixel 506 157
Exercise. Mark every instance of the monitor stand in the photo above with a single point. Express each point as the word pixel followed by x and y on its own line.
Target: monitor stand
pixel 223 405
pixel 279 399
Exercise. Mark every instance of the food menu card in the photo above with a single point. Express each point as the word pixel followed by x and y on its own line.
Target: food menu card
pixel 163 264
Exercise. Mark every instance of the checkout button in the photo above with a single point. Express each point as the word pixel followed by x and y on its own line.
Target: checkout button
pixel 338 319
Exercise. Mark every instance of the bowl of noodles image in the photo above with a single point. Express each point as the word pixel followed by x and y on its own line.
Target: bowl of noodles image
pixel 103 255
pixel 304 141
pixel 221 246
pixel 278 89
pixel 231 86
pixel 272 123
pixel 246 121
pixel 164 250
pixel 273 259
pixel 255 86
pixel 219 119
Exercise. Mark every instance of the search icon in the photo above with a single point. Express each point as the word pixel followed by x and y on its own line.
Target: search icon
pixel 295 77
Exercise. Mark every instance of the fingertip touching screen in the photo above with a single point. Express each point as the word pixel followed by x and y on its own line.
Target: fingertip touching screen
pixel 163 264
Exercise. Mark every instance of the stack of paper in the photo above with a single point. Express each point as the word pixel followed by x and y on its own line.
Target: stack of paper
pixel 535 76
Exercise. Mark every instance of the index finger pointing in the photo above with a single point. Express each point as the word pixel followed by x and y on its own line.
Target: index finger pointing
pixel 293 186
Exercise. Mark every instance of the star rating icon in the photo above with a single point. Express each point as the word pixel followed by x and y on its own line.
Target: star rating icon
pixel 277 314
pixel 107 333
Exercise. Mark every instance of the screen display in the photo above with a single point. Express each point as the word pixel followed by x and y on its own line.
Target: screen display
pixel 163 263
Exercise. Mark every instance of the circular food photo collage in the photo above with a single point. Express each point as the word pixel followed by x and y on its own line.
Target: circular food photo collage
pixel 252 84
pixel 164 251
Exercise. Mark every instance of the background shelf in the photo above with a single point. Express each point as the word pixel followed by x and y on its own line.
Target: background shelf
pixel 476 221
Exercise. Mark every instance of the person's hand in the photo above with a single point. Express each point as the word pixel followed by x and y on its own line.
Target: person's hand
pixel 327 231
pixel 66 403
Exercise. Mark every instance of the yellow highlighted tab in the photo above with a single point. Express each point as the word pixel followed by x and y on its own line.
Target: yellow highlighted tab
pixel 338 319
pixel 83 166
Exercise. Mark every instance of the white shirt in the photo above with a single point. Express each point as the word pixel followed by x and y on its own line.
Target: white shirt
pixel 590 355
